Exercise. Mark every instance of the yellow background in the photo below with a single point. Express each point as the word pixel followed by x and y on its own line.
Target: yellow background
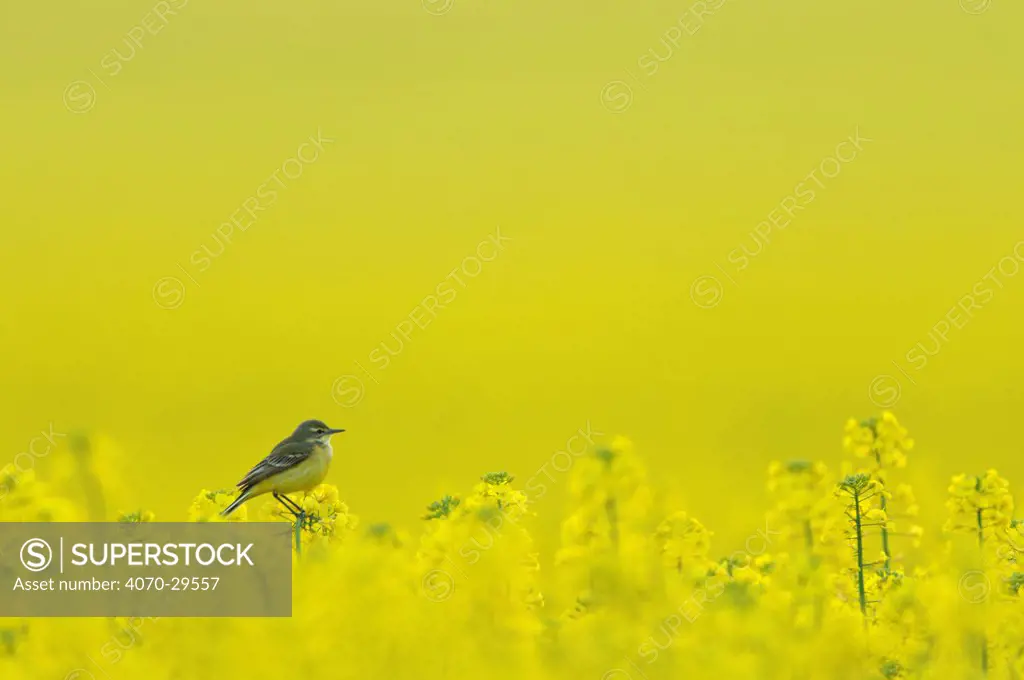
pixel 492 115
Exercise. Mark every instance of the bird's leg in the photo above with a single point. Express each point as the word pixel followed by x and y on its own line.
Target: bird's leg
pixel 291 505
pixel 296 510
pixel 288 503
pixel 294 504
pixel 281 500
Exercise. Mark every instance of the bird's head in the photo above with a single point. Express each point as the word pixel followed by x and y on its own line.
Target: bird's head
pixel 314 430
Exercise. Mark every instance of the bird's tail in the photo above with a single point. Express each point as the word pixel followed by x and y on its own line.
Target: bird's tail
pixel 242 497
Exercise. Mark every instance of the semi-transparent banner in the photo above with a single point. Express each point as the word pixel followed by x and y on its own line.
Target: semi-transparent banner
pixel 145 569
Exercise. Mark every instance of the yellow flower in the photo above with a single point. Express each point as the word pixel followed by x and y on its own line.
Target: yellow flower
pixel 875 515
pixel 206 507
pixel 631 591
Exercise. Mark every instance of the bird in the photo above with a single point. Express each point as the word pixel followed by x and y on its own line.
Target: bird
pixel 298 463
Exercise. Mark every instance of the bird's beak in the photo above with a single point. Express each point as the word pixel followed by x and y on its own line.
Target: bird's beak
pixel 334 431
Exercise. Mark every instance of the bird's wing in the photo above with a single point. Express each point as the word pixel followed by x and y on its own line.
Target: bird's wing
pixel 285 455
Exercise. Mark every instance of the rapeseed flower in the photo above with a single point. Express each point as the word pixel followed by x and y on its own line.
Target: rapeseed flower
pixel 636 588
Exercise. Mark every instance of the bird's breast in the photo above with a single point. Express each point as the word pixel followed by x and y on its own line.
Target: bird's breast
pixel 328 451
pixel 322 455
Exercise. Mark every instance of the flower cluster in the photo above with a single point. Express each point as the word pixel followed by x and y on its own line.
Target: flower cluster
pixel 882 441
pixel 835 585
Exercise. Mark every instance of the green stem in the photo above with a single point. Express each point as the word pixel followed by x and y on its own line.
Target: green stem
pixel 612 510
pixel 885 531
pixel 809 539
pixel 981 546
pixel 860 557
pixel 299 520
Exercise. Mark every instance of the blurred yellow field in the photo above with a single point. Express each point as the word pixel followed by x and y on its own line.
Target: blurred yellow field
pixel 594 286
pixel 832 582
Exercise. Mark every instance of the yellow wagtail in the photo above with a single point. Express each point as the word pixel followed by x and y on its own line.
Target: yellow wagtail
pixel 298 463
